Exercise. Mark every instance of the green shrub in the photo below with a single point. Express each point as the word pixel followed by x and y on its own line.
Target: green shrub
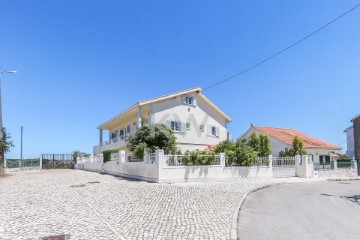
pixel 107 155
pixel 238 152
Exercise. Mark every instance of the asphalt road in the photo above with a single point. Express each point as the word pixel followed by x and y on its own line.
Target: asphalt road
pixel 315 210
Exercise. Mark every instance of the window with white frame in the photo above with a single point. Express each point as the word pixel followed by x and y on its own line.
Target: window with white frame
pixel 175 126
pixel 188 100
pixel 213 131
pixel 202 128
pixel 188 126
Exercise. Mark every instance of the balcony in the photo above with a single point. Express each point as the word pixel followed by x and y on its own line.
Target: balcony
pixel 114 143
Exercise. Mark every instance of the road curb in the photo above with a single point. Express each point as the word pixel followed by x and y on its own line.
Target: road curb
pixel 343 179
pixel 234 219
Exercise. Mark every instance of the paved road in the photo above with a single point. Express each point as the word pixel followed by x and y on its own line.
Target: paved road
pixel 319 210
pixel 89 205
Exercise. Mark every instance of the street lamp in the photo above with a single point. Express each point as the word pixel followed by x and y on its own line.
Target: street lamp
pixel 1 124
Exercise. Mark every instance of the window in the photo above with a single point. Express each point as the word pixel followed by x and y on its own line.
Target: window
pixel 213 131
pixel 188 100
pixel 114 134
pixel 128 129
pixel 175 126
pixel 122 133
pixel 202 127
pixel 188 126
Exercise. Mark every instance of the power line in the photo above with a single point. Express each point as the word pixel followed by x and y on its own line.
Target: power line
pixel 285 49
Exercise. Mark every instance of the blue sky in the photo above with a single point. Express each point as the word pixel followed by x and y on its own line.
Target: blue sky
pixel 81 62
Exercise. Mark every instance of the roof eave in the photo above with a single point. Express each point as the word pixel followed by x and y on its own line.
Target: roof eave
pixel 103 126
pixel 227 118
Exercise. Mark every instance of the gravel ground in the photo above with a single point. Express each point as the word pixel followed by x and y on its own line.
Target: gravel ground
pixel 89 205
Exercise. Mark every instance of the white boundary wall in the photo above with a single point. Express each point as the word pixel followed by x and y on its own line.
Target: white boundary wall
pixel 154 168
pixel 158 170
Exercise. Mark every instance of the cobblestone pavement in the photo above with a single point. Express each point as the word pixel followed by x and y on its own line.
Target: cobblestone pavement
pixel 89 205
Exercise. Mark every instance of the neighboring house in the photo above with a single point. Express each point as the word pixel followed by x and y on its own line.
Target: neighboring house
pixel 282 138
pixel 196 121
pixel 353 137
pixel 350 150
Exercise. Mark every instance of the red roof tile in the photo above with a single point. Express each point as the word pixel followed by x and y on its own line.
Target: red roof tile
pixel 209 148
pixel 287 135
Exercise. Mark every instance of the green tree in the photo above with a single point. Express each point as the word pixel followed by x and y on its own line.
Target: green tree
pixel 238 153
pixel 151 138
pixel 264 146
pixel 107 155
pixel 76 154
pixel 224 146
pixel 5 144
pixel 260 144
pixel 298 146
pixel 254 142
pixel 287 153
pixel 244 155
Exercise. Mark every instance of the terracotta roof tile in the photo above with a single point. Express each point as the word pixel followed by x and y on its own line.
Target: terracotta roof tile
pixel 287 135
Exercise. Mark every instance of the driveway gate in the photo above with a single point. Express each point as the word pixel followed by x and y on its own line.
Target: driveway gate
pixel 53 161
pixel 283 166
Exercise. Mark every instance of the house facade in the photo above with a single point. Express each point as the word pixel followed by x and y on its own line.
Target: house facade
pixel 281 139
pixel 353 137
pixel 350 150
pixel 196 121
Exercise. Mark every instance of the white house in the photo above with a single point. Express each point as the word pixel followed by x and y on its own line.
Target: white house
pixel 196 121
pixel 281 139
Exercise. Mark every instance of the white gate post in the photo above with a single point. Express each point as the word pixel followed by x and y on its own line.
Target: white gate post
pixel 160 162
pixel 299 168
pixel 303 167
pixel 146 157
pixel 271 165
pixel 160 157
pixel 222 159
pixel 309 166
pixel 122 156
pixel 354 166
pixel 270 161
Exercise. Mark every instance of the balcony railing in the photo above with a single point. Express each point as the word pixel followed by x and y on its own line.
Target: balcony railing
pixel 113 143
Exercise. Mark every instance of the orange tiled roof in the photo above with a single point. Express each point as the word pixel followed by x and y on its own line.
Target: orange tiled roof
pixel 287 135
pixel 209 148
